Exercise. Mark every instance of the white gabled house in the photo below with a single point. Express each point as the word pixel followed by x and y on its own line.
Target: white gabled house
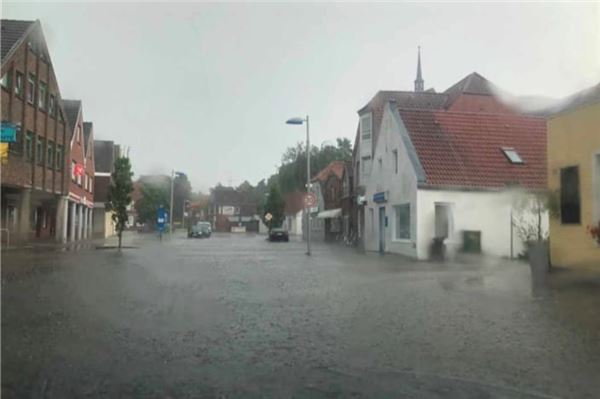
pixel 450 175
pixel 454 166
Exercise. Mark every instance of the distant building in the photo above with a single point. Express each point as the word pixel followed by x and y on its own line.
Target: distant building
pixel 35 178
pixel 232 210
pixel 348 202
pixel 574 176
pixel 327 185
pixel 105 154
pixel 81 161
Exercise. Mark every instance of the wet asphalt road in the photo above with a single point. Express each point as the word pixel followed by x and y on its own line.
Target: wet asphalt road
pixel 236 316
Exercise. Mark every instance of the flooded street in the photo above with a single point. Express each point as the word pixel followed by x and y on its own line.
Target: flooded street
pixel 237 316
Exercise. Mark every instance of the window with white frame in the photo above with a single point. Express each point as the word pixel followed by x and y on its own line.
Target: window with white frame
pixel 402 222
pixel 395 155
pixel 366 123
pixel 366 167
pixel 366 135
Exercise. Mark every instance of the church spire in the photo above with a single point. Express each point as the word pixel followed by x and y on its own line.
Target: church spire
pixel 419 82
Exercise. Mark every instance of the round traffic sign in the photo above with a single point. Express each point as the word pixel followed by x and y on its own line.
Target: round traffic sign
pixel 310 200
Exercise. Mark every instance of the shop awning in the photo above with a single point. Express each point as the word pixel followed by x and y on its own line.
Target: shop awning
pixel 330 213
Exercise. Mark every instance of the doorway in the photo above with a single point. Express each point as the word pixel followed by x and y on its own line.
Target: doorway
pixel 382 229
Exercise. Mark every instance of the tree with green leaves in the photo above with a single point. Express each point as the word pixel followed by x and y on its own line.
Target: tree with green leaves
pixel 291 175
pixel 119 192
pixel 152 197
pixel 275 205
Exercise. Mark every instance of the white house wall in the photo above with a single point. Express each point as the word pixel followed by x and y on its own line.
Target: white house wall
pixel 400 188
pixel 489 212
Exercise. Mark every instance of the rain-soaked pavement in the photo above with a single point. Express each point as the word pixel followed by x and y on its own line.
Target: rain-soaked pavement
pixel 236 316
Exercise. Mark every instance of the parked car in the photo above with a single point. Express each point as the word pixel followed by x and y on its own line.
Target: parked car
pixel 200 229
pixel 279 234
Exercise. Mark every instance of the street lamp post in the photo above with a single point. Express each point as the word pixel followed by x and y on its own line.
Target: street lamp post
pixel 300 121
pixel 173 175
pixel 171 205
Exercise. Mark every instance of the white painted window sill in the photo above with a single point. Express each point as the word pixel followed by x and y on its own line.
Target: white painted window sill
pixel 402 240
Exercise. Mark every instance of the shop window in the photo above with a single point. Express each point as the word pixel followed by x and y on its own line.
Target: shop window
pixel 402 225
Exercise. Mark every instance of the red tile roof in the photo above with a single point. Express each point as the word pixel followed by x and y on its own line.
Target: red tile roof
pixel 463 149
pixel 336 167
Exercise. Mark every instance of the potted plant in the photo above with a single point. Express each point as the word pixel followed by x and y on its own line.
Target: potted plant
pixel 528 224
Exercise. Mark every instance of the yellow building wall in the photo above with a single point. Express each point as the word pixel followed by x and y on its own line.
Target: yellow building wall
pixel 574 140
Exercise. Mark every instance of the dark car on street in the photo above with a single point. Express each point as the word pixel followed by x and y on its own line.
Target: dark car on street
pixel 200 230
pixel 279 234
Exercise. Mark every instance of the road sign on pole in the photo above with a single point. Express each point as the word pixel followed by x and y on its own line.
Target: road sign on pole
pixel 310 200
pixel 268 217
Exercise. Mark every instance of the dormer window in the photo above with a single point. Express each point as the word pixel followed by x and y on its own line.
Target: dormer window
pixel 512 155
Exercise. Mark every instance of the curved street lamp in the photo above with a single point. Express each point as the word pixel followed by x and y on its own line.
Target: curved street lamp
pixel 300 121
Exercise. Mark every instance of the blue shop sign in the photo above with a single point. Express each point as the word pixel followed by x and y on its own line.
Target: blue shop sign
pixel 9 132
pixel 379 197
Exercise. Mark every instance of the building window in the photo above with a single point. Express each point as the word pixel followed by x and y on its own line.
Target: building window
pixel 365 127
pixel 395 153
pixel 52 105
pixel 570 205
pixel 73 164
pixel 42 95
pixel 19 84
pixel 402 226
pixel 85 182
pixel 6 80
pixel 50 154
pixel 17 147
pixel 366 167
pixel 29 146
pixel 512 155
pixel 79 134
pixel 39 151
pixel 59 157
pixel 31 89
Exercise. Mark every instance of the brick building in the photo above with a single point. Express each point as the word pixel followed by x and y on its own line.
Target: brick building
pixel 81 167
pixel 231 209
pixel 328 221
pixel 35 176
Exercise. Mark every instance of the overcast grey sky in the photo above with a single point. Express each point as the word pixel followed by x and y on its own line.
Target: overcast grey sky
pixel 206 88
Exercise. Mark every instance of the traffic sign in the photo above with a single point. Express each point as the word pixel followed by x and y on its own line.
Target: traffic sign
pixel 310 200
pixel 268 217
pixel 161 218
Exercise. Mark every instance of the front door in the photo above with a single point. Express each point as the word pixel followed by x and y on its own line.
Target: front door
pixel 382 229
